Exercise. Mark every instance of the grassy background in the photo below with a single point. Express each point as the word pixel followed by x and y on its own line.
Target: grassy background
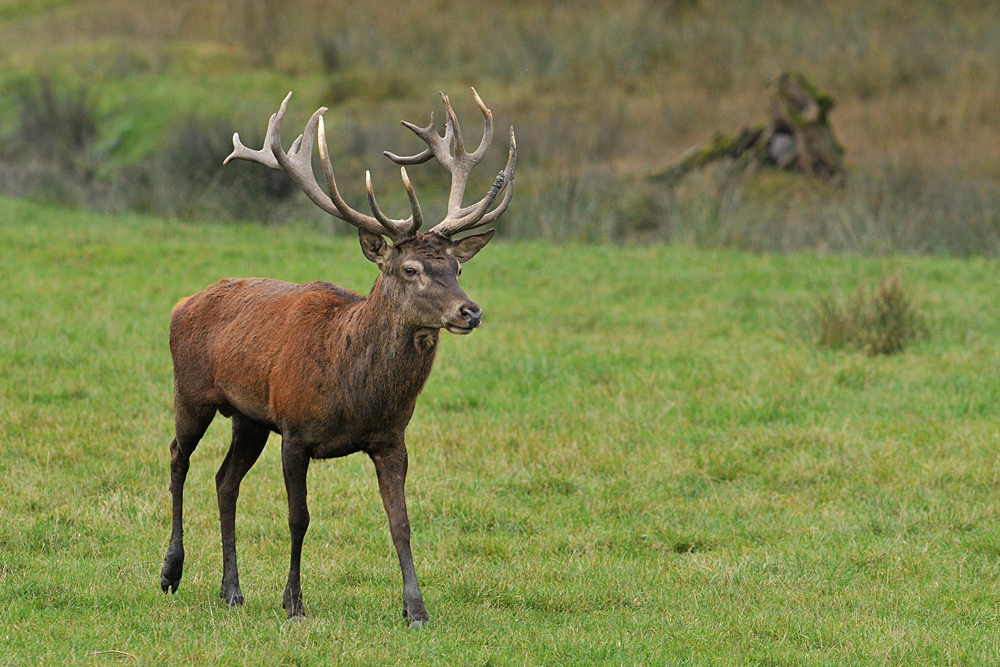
pixel 647 460
pixel 648 463
pixel 600 93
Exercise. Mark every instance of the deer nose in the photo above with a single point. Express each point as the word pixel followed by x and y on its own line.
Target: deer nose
pixel 472 315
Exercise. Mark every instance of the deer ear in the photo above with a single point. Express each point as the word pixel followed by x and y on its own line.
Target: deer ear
pixel 465 249
pixel 374 246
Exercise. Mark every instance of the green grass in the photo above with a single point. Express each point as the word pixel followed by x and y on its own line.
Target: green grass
pixel 641 458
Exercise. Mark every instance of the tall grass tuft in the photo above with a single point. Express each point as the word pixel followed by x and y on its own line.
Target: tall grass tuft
pixel 889 209
pixel 883 321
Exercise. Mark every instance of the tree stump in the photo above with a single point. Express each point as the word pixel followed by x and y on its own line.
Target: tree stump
pixel 797 136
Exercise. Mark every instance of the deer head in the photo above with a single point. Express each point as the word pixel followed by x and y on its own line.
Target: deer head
pixel 418 271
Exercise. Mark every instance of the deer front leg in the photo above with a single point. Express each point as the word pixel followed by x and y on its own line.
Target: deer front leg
pixel 295 465
pixel 390 466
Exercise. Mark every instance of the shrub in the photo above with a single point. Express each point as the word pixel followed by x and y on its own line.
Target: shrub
pixel 188 179
pixel 883 321
pixel 58 125
pixel 52 151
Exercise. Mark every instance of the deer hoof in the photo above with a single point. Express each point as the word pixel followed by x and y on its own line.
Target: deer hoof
pixel 232 596
pixel 169 585
pixel 415 614
pixel 173 568
pixel 294 607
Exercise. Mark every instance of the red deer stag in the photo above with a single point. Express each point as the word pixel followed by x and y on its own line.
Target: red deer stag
pixel 332 371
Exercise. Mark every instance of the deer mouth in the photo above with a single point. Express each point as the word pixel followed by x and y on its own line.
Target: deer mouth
pixel 461 330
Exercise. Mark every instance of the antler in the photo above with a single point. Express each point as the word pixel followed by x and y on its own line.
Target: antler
pixel 460 165
pixel 297 163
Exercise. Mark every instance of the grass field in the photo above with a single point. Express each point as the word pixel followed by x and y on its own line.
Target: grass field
pixel 641 458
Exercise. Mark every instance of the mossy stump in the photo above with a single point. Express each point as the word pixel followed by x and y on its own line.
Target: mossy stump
pixel 797 137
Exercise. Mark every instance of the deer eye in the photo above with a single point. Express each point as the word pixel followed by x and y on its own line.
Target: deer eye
pixel 410 271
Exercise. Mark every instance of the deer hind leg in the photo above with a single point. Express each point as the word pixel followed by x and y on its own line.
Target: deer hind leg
pixel 295 465
pixel 390 466
pixel 190 425
pixel 249 438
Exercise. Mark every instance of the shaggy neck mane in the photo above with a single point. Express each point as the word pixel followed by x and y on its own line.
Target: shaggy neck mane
pixel 390 359
pixel 385 314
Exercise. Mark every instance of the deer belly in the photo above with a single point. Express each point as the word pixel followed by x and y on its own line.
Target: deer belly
pixel 248 398
pixel 248 407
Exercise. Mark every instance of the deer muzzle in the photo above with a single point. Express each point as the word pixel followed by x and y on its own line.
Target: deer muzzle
pixel 470 316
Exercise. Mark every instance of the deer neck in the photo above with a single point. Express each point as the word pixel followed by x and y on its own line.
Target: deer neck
pixel 385 313
pixel 394 356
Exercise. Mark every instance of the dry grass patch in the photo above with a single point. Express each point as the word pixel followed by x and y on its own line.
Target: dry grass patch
pixel 881 321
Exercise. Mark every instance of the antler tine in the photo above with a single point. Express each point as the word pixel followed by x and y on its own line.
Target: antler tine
pixel 297 163
pixel 376 211
pixel 453 122
pixel 418 216
pixel 487 140
pixel 422 156
pixel 345 212
pixel 437 146
pixel 463 163
pixel 476 215
pixel 419 158
pixel 399 229
pixel 476 212
pixel 509 177
pixel 264 156
pixel 480 152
